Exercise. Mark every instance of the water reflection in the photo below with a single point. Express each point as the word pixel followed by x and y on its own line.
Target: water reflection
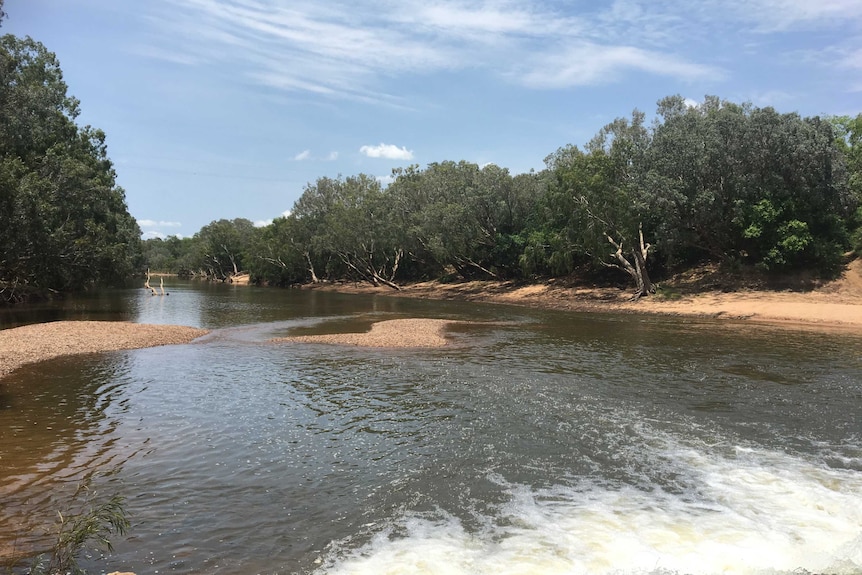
pixel 56 429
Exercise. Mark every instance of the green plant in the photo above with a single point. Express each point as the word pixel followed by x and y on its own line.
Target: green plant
pixel 93 520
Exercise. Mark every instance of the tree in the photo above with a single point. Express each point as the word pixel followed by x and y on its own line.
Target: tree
pixel 279 257
pixel 848 140
pixel 609 196
pixel 351 221
pixel 224 245
pixel 749 184
pixel 64 223
pixel 460 216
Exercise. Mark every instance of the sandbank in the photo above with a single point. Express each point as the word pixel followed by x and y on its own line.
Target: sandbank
pixel 414 332
pixel 39 342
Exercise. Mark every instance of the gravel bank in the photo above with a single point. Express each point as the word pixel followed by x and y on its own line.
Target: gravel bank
pixel 38 342
pixel 390 333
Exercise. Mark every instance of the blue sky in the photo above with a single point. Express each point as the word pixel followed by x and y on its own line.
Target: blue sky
pixel 227 108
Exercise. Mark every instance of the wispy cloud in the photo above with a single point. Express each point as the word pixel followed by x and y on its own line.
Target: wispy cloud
pixel 778 15
pixel 851 59
pixel 341 49
pixel 306 155
pixel 589 64
pixel 388 151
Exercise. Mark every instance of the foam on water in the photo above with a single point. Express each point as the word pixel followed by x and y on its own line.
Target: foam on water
pixel 753 511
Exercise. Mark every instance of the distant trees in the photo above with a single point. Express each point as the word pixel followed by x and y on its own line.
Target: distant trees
pixel 64 224
pixel 722 182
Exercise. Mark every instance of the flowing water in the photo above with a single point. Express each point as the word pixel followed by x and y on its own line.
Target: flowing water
pixel 537 442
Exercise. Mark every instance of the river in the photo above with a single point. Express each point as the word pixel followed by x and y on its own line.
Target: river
pixel 538 442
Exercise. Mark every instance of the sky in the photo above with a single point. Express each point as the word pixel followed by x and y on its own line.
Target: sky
pixel 229 108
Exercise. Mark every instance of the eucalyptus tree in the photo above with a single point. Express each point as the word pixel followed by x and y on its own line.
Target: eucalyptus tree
pixel 351 223
pixel 224 246
pixel 410 199
pixel 462 216
pixel 848 139
pixel 279 254
pixel 449 228
pixel 609 198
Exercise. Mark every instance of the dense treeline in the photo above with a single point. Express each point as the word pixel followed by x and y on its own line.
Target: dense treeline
pixel 64 224
pixel 723 182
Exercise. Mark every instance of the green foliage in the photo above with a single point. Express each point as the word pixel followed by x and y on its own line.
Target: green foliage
pixel 90 519
pixel 848 140
pixel 221 247
pixel 95 525
pixel 278 258
pixel 64 224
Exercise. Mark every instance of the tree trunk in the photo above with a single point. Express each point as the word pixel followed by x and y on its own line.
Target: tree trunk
pixel 637 267
pixel 314 278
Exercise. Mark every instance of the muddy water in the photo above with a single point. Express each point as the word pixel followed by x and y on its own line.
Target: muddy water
pixel 536 443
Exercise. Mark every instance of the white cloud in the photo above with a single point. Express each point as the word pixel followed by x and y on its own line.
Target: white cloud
pixel 303 155
pixel 158 224
pixel 387 151
pixel 385 180
pixel 152 234
pixel 773 98
pixel 264 223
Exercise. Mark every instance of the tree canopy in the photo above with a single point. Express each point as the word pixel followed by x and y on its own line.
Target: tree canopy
pixel 64 224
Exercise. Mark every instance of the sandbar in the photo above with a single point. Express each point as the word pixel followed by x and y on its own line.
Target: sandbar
pixel 413 332
pixel 38 342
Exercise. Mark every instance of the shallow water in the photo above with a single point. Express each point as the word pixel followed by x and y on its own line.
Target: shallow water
pixel 537 443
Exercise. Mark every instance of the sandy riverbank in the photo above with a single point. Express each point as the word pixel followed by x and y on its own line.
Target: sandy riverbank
pixel 39 342
pixel 832 305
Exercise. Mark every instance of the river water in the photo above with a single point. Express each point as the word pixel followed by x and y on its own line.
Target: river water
pixel 538 442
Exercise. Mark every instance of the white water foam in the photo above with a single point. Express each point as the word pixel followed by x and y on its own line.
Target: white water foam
pixel 753 511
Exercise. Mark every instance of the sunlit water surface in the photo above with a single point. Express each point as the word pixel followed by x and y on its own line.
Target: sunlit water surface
pixel 536 443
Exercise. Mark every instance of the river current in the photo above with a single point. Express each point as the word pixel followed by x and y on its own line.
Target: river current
pixel 538 442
